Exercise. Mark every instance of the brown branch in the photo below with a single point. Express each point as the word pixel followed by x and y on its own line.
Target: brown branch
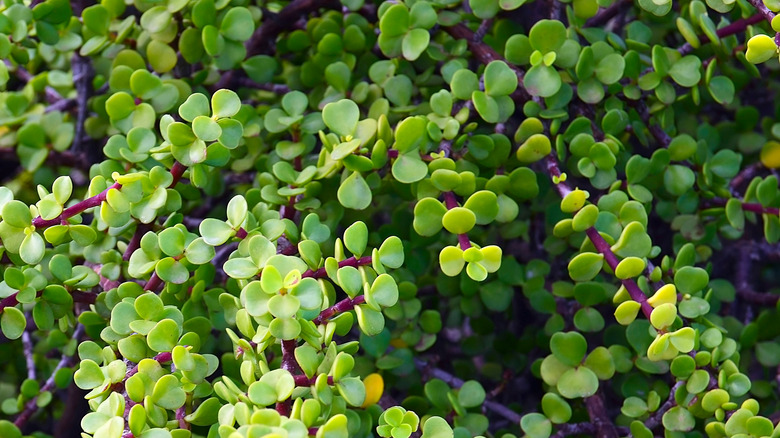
pixel 82 78
pixel 485 54
pixel 432 372
pixel 598 416
pixel 27 347
pixel 31 407
pixel 263 40
pixel 604 15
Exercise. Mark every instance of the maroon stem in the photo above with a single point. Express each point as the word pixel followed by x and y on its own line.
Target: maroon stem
pixel 135 242
pixel 177 171
pixel 160 358
pixel 288 211
pixel 154 283
pixel 633 290
pixel 342 306
pixel 352 261
pixel 180 414
pixel 758 208
pixel 75 209
pixel 291 365
pixel 241 233
pixel 451 202
pixel 302 380
pixel 746 206
pixel 735 27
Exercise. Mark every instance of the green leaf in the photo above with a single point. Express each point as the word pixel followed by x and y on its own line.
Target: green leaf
pixel 610 69
pixel 414 43
pixel 536 425
pixel 578 382
pixel 629 267
pixel 585 266
pixel 409 168
pixel 569 348
pixel 356 238
pixel 354 192
pixel 760 48
pixel 226 103
pixel 500 80
pixel 341 117
pixel 486 106
pixel 391 253
pixel 32 249
pixel 471 394
pixel 195 105
pixel 686 71
pixel 547 35
pixel 542 81
pixel 17 214
pixel 435 427
pixel 12 322
pixel 678 419
pixel 370 321
pixel 690 279
pixel 164 336
pixel 556 408
pixel 459 220
pixel 161 56
pixel 237 25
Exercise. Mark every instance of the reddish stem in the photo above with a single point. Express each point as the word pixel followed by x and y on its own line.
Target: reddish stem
pixel 291 365
pixel 75 209
pixel 302 380
pixel 154 283
pixel 451 202
pixel 160 358
pixel 633 290
pixel 735 27
pixel 746 206
pixel 135 241
pixel 288 211
pixel 344 305
pixel 352 261
pixel 241 233
pixel 180 414
pixel 177 171
pixel 758 208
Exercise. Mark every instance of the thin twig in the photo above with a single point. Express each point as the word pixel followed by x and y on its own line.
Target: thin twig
pixel 31 407
pixel 27 346
pixel 82 78
pixel 436 373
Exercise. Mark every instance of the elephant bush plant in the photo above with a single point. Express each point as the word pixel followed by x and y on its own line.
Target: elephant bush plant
pixel 400 218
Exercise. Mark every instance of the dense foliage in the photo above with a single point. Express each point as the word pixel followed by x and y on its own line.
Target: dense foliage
pixel 435 218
